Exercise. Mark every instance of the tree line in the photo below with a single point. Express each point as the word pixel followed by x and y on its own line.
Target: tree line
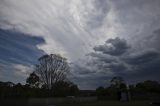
pixel 49 79
pixel 140 91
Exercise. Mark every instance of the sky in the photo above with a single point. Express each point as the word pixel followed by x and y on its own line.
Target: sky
pixel 100 38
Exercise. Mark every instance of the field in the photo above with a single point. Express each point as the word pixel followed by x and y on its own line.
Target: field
pixel 72 103
pixel 110 103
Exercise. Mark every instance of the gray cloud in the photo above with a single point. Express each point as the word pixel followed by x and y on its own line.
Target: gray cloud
pixel 98 14
pixel 15 72
pixel 113 47
pixel 82 70
pixel 103 57
pixel 142 57
pixel 130 63
pixel 153 39
pixel 133 65
pixel 87 24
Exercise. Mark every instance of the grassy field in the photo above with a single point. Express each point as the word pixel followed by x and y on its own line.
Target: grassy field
pixel 110 103
pixel 69 103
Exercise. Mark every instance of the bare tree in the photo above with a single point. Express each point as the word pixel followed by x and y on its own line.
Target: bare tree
pixel 51 69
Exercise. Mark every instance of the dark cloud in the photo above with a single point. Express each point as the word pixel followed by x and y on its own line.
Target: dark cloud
pixel 73 33
pixel 146 71
pixel 129 63
pixel 157 32
pixel 113 47
pixel 81 69
pixel 103 57
pixel 133 65
pixel 92 80
pixel 154 39
pixel 142 57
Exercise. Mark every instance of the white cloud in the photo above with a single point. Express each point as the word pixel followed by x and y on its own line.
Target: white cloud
pixel 15 72
pixel 73 27
pixel 64 24
pixel 22 70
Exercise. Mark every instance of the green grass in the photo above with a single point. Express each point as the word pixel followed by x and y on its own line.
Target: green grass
pixel 110 103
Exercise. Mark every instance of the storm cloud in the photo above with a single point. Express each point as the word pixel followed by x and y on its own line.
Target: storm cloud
pixel 113 47
pixel 101 38
pixel 144 64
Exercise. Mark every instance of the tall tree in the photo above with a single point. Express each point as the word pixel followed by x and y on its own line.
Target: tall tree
pixel 51 69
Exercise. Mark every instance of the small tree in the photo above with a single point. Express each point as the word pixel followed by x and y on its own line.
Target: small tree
pixel 65 88
pixel 51 69
pixel 33 80
pixel 117 82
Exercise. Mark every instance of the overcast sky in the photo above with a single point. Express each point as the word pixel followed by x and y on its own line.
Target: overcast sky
pixel 100 38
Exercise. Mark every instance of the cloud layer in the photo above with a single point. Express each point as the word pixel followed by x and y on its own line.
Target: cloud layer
pixel 107 62
pixel 74 28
